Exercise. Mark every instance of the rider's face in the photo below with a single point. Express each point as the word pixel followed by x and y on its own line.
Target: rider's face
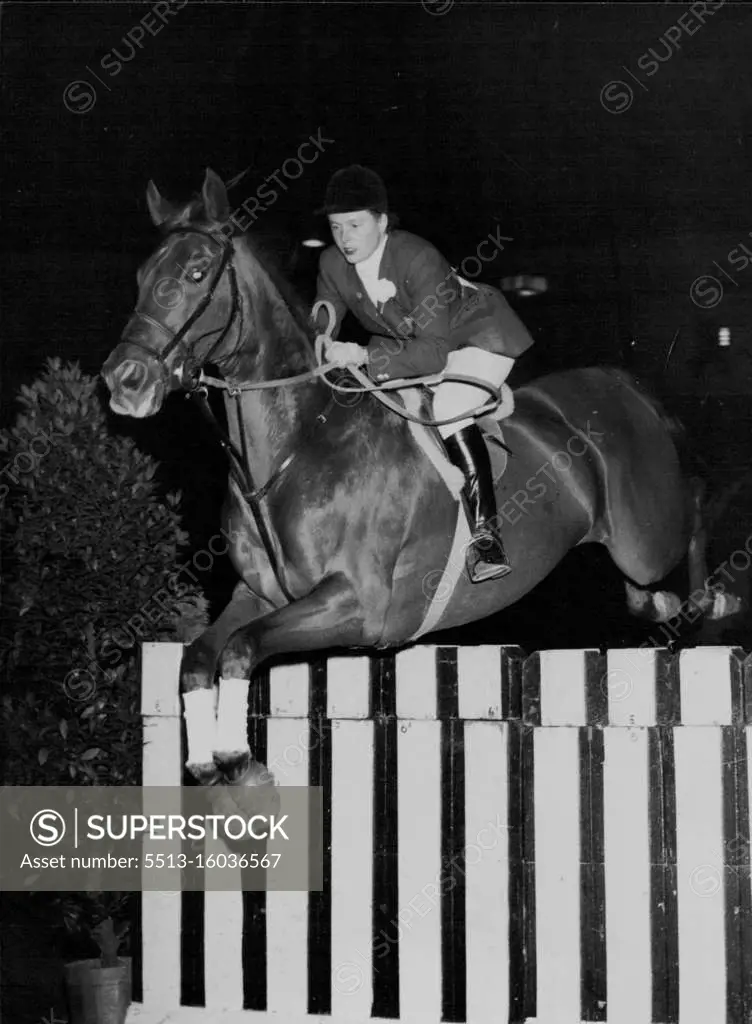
pixel 357 235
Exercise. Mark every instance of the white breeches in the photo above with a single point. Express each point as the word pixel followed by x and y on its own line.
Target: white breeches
pixel 452 398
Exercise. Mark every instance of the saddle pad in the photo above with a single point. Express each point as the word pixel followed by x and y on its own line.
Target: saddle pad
pixel 425 439
pixel 489 424
pixel 424 436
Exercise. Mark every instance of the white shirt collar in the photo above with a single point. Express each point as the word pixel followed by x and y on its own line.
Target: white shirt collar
pixel 369 267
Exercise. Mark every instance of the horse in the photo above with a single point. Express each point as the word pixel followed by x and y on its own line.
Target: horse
pixel 338 520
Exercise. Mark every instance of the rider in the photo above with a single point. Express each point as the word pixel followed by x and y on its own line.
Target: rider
pixel 424 319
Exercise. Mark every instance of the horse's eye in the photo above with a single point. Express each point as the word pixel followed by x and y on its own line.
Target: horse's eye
pixel 198 275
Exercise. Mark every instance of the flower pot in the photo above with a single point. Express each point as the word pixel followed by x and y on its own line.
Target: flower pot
pixel 96 994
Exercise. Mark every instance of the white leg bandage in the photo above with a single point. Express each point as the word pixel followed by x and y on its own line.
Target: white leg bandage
pixel 232 718
pixel 452 398
pixel 200 724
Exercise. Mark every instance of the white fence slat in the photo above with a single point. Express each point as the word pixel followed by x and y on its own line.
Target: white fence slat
pixel 557 873
pixel 162 766
pixel 417 692
pixel 352 869
pixel 705 680
pixel 419 843
pixel 626 828
pixel 700 874
pixel 486 885
pixel 563 688
pixel 479 682
pixel 348 687
pixel 287 912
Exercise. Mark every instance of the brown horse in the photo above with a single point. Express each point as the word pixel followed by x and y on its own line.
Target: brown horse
pixel 341 525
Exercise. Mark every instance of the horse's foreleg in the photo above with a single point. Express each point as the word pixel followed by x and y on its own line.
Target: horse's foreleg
pixel 196 684
pixel 330 616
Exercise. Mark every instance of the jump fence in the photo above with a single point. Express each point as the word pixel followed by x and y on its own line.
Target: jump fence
pixel 553 838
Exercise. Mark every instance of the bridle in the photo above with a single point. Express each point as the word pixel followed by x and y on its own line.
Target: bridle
pixel 194 382
pixel 191 366
pixel 190 382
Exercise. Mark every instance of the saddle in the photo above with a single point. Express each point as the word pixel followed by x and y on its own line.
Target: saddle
pixel 418 402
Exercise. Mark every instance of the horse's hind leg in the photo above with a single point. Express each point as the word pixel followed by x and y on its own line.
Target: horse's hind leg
pixel 650 536
pixel 712 601
pixel 664 605
pixel 698 551
pixel 225 728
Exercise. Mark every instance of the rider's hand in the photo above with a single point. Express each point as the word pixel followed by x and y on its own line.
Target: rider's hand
pixel 344 352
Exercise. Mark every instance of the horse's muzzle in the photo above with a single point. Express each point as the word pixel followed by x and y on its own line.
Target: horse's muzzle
pixel 132 375
pixel 135 389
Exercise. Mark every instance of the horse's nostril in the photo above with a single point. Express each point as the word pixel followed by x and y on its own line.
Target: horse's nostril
pixel 133 376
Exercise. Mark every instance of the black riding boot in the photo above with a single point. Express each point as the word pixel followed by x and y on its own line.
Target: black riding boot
pixel 486 558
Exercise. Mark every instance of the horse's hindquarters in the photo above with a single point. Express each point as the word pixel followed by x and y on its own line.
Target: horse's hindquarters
pixel 644 513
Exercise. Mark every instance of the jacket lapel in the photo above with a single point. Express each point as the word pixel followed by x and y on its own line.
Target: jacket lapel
pixel 358 288
pixel 395 309
pixel 393 315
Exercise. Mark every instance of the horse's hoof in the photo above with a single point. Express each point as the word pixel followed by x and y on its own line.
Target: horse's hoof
pixel 253 793
pixel 205 774
pixel 239 769
pixel 256 774
pixel 636 599
pixel 725 605
pixel 667 605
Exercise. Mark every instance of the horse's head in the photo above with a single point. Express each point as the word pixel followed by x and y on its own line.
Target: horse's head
pixel 187 304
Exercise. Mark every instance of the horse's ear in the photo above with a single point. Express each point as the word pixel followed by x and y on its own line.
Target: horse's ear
pixel 214 195
pixel 159 208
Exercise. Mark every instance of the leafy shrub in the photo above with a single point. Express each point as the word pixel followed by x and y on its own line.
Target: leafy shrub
pixel 91 555
pixel 91 567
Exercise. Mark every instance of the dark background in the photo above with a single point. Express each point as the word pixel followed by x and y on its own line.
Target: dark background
pixel 485 117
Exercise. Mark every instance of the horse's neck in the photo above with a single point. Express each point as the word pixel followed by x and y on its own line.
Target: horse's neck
pixel 272 418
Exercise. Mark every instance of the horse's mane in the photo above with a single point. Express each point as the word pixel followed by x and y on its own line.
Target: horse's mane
pixel 270 289
pixel 276 307
pixel 281 291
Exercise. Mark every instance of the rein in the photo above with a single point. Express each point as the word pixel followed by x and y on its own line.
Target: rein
pixel 196 382
pixel 239 465
pixel 366 385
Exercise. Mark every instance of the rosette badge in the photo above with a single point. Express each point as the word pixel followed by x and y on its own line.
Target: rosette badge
pixel 384 290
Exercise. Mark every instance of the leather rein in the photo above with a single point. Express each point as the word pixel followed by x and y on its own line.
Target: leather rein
pixel 194 381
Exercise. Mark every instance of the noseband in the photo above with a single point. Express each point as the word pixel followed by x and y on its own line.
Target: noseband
pixel 191 367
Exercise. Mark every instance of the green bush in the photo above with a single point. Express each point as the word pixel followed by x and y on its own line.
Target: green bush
pixel 91 555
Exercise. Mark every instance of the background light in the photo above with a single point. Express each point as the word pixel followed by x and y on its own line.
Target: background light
pixel 524 285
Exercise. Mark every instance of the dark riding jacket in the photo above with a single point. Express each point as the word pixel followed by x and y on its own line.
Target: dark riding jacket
pixel 430 315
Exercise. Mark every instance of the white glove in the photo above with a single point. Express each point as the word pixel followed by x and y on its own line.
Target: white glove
pixel 344 352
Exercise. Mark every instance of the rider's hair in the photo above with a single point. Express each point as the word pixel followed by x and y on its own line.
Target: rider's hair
pixel 392 219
